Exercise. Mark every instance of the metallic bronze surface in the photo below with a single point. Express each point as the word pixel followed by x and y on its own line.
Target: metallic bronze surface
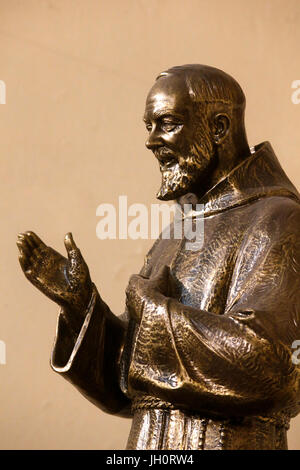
pixel 202 356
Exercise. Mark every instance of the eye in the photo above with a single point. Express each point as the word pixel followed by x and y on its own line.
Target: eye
pixel 148 126
pixel 171 126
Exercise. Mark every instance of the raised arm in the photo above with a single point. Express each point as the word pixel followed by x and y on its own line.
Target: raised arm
pixel 89 337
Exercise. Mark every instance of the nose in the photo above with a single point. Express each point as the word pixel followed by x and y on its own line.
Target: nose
pixel 154 140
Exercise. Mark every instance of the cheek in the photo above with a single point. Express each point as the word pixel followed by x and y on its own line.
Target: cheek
pixel 179 142
pixel 202 142
pixel 172 140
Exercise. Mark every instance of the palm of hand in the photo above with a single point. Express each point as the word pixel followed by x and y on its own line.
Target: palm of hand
pixel 66 281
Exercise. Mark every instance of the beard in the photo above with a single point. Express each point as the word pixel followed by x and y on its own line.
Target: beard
pixel 181 173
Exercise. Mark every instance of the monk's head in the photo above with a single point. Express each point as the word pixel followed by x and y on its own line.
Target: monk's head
pixel 192 111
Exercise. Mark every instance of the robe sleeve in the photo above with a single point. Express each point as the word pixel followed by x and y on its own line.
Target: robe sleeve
pixel 90 360
pixel 240 362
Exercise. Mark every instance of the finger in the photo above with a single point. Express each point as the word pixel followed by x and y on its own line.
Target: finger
pixel 33 239
pixel 21 237
pixel 70 244
pixel 27 239
pixel 23 259
pixel 23 247
pixel 22 242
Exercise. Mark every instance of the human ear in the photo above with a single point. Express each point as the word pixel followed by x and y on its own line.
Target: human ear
pixel 221 127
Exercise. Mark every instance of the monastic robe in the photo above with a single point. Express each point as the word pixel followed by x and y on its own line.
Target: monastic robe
pixel 211 366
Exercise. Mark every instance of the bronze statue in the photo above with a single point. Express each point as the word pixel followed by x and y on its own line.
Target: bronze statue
pixel 202 357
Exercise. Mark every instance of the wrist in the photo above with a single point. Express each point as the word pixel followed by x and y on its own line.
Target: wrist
pixel 75 313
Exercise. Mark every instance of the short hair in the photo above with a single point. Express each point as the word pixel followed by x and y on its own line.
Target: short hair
pixel 207 84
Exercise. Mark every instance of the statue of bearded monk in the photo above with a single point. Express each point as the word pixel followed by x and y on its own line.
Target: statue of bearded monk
pixel 202 358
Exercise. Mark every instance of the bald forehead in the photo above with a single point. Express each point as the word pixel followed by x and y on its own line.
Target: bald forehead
pixel 168 95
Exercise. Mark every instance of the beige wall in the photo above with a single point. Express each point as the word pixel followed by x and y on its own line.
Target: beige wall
pixel 77 73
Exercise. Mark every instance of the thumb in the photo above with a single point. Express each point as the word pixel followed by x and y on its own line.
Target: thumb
pixel 70 245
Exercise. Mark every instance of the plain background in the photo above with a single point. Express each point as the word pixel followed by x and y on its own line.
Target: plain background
pixel 77 74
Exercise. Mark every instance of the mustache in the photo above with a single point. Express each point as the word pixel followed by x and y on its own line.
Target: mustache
pixel 164 155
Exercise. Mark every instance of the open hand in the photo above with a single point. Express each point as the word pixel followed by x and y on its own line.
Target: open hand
pixel 66 281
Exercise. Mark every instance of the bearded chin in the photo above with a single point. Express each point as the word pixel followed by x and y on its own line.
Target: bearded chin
pixel 175 183
pixel 188 172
